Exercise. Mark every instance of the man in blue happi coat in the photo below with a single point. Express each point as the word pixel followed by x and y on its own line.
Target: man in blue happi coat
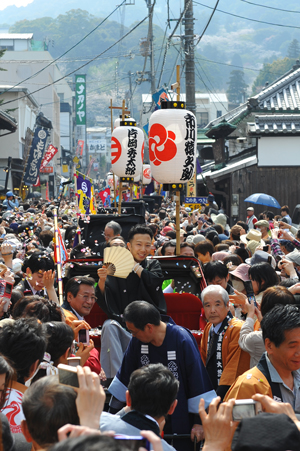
pixel 155 341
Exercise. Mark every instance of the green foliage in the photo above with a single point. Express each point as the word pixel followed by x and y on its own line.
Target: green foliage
pixel 237 87
pixel 270 73
pixel 294 49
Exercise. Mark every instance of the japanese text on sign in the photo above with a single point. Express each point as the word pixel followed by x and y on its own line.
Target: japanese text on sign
pixel 189 164
pixel 196 200
pixel 80 88
pixel 131 152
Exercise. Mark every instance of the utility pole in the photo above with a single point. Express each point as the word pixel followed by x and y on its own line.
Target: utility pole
pixel 130 94
pixel 189 56
pixel 150 6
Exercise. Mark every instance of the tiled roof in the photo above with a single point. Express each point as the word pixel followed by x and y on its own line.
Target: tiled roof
pixel 273 124
pixel 283 95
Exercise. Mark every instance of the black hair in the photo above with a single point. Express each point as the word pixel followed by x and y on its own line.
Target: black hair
pixel 88 443
pixel 215 269
pixel 73 284
pixel 60 338
pixel 269 214
pixel 279 319
pixel 185 244
pixel 171 234
pixel 78 251
pixel 47 406
pixel 221 247
pixel 153 389
pixel 37 261
pixel 285 208
pixel 233 258
pixel 37 307
pixel 141 229
pixel 273 296
pixel 212 235
pixel 243 253
pixel 141 313
pixel 165 245
pixel 219 228
pixel 7 369
pixel 23 342
pixel 46 237
pixel 244 225
pixel 264 275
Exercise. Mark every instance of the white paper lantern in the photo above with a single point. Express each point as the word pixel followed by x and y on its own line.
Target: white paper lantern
pixel 110 180
pixel 146 174
pixel 137 178
pixel 172 143
pixel 119 119
pixel 127 150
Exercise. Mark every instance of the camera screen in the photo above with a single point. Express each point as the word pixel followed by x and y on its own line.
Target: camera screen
pixel 82 336
pixel 68 377
pixel 243 411
pixel 133 444
pixel 8 288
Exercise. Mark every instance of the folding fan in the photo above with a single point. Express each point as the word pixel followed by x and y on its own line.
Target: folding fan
pixel 118 260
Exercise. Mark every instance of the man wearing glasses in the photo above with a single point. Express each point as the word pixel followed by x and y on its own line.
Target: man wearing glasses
pixel 79 297
pixel 79 301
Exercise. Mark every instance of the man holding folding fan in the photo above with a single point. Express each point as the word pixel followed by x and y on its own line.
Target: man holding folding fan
pixel 114 294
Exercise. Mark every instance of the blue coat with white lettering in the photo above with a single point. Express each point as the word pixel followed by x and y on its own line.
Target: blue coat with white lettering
pixel 179 352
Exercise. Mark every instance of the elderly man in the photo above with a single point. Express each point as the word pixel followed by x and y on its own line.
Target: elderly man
pixel 277 372
pixel 251 218
pixel 79 301
pixel 155 341
pixel 220 351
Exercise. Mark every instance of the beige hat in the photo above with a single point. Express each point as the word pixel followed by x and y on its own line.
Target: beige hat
pixel 219 219
pixel 262 223
pixel 252 245
pixel 252 235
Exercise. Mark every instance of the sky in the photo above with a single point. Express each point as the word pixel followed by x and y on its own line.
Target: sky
pixel 5 3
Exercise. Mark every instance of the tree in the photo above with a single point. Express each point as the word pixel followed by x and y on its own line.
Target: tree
pixel 237 87
pixel 270 73
pixel 294 49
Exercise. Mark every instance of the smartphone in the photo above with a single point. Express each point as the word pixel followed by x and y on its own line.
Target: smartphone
pixel 132 443
pixel 250 292
pixel 245 408
pixel 5 292
pixel 84 336
pixel 265 248
pixel 67 375
pixel 242 245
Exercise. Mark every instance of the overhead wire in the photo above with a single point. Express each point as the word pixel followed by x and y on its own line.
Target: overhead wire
pixel 71 48
pixel 208 89
pixel 209 20
pixel 83 65
pixel 247 18
pixel 271 7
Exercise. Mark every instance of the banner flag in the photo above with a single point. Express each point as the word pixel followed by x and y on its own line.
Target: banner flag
pixel 35 156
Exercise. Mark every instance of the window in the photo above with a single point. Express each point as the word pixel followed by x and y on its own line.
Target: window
pixel 202 119
pixel 219 113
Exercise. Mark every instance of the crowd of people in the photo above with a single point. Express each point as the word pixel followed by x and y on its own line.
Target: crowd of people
pixel 160 383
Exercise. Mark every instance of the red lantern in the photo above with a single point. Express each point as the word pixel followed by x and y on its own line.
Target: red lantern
pixel 127 148
pixel 172 143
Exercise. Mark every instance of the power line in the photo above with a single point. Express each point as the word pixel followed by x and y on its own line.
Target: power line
pixel 247 18
pixel 208 89
pixel 212 93
pixel 209 20
pixel 71 48
pixel 271 7
pixel 83 65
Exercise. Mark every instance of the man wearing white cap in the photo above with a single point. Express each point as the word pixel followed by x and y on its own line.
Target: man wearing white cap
pixel 251 218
